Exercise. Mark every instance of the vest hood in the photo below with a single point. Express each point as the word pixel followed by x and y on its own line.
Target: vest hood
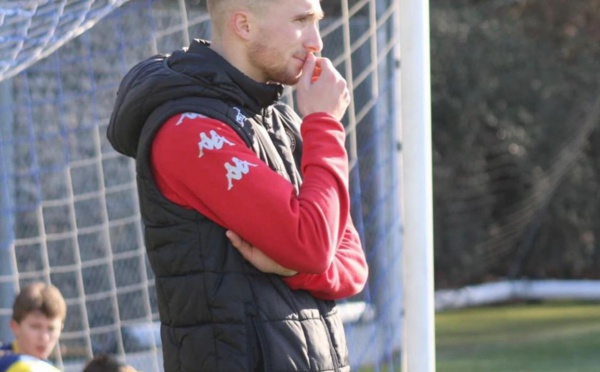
pixel 195 71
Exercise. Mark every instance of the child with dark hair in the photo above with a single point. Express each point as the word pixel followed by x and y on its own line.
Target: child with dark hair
pixel 107 363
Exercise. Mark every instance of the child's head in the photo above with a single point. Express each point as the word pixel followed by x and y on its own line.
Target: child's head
pixel 39 313
pixel 107 363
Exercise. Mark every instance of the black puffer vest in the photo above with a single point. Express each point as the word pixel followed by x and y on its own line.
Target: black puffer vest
pixel 218 313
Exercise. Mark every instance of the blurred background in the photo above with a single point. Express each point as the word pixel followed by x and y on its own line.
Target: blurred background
pixel 515 90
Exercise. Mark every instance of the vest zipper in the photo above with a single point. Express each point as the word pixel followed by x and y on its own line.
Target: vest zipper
pixel 251 313
pixel 266 122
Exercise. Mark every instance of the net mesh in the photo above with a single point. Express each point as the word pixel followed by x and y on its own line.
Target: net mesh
pixel 68 204
pixel 32 29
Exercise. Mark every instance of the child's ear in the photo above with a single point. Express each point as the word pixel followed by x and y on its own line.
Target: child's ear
pixel 14 326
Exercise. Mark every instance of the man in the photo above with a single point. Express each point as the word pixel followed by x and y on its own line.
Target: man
pixel 245 205
pixel 39 313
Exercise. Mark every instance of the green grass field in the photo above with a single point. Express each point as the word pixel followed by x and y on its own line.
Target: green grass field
pixel 544 337
pixel 523 337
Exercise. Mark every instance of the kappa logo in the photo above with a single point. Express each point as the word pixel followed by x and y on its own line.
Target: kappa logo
pixel 237 170
pixel 240 118
pixel 189 115
pixel 214 142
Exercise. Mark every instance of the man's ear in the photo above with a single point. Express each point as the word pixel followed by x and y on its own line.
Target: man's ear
pixel 241 23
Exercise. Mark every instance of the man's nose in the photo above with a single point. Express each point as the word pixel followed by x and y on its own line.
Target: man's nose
pixel 314 43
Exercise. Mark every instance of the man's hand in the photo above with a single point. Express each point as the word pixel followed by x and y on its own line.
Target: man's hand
pixel 321 88
pixel 256 257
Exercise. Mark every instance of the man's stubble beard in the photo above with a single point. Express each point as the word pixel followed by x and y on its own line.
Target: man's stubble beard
pixel 262 58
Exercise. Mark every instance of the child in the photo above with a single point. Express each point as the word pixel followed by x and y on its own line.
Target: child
pixel 38 317
pixel 107 363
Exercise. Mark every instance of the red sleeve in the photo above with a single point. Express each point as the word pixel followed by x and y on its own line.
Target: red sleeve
pixel 344 278
pixel 203 164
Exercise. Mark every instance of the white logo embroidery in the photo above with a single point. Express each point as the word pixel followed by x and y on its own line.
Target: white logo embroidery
pixel 236 171
pixel 213 142
pixel 240 118
pixel 189 115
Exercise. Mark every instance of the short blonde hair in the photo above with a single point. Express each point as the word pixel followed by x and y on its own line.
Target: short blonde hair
pixel 218 9
pixel 42 297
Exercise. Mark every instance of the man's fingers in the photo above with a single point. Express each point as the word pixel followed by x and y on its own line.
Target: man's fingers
pixel 256 257
pixel 308 70
pixel 233 237
pixel 240 244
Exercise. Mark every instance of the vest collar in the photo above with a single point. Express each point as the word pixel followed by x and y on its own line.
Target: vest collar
pixel 257 95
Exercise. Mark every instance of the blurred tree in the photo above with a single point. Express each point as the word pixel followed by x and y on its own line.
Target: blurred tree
pixel 515 175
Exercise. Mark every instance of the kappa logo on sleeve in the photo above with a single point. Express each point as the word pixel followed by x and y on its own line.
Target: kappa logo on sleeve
pixel 237 170
pixel 189 115
pixel 214 142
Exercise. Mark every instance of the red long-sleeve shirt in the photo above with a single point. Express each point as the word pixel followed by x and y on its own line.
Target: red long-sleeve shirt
pixel 202 164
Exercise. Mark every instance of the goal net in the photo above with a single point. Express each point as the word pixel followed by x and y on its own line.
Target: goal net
pixel 68 203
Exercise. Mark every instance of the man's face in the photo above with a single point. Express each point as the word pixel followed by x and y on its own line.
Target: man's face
pixel 36 334
pixel 285 34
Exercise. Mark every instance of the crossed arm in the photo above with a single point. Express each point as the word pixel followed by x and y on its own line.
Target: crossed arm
pixel 310 234
pixel 345 276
